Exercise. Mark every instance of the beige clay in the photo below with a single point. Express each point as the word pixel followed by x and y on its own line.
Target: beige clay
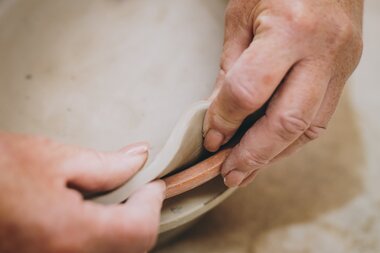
pixel 104 73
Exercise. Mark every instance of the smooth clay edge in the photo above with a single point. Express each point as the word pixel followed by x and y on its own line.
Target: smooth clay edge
pixel 162 160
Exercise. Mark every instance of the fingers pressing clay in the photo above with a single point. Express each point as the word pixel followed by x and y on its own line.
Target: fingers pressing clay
pixel 289 115
pixel 247 86
pixel 319 124
pixel 94 171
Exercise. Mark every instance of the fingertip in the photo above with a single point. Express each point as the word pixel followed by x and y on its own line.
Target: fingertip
pixel 234 178
pixel 138 148
pixel 213 140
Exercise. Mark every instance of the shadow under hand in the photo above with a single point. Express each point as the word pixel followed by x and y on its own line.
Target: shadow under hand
pixel 322 177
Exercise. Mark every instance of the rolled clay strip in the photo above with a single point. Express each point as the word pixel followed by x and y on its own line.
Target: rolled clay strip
pixel 196 175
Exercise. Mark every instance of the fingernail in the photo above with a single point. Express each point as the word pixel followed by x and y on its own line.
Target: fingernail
pixel 137 148
pixel 234 178
pixel 213 140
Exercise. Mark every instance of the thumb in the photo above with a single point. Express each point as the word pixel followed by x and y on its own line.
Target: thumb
pixel 92 171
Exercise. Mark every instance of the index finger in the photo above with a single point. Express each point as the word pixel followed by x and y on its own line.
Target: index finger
pixel 247 86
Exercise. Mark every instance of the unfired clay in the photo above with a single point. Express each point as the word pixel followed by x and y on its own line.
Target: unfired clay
pixel 183 146
pixel 106 73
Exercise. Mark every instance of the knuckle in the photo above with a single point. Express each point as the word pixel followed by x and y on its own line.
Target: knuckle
pixel 314 132
pixel 342 30
pixel 301 18
pixel 291 125
pixel 225 124
pixel 345 30
pixel 241 93
pixel 253 161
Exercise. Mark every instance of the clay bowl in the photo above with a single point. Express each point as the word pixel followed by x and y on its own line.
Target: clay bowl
pixel 103 74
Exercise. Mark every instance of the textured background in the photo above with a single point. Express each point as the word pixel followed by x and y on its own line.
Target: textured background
pixel 325 198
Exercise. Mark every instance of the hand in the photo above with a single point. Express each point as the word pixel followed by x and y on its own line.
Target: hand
pixel 295 55
pixel 42 211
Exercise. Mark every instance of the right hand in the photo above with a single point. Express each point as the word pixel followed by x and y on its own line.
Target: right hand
pixel 292 56
pixel 42 209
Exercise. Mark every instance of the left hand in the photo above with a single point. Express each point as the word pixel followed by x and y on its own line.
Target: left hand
pixel 295 54
pixel 41 205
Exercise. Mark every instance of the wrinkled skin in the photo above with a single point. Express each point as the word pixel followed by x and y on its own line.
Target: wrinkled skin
pixel 39 213
pixel 295 55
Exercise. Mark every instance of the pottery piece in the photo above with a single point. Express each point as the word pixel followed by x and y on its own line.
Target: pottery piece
pixel 183 146
pixel 106 73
